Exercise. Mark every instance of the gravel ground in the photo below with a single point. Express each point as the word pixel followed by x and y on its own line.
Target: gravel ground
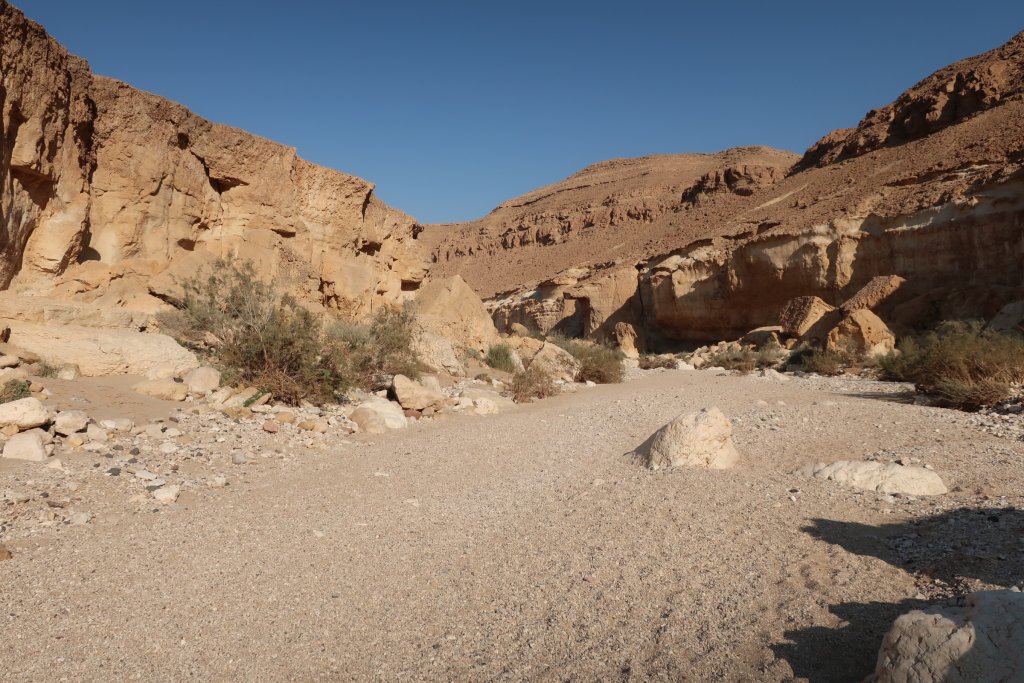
pixel 525 545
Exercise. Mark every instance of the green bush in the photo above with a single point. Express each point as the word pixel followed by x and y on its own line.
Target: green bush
pixel 378 352
pixel 13 390
pixel 44 369
pixel 598 363
pixel 532 383
pixel 959 363
pixel 501 357
pixel 268 340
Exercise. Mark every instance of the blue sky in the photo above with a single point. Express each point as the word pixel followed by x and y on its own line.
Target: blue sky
pixel 452 107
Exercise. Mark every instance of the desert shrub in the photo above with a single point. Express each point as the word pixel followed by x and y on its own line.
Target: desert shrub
pixel 826 361
pixel 379 351
pixel 959 363
pixel 747 359
pixel 268 340
pixel 44 369
pixel 598 363
pixel 13 390
pixel 532 383
pixel 501 357
pixel 651 362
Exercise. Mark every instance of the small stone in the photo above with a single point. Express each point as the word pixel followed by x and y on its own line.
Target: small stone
pixel 218 481
pixel 239 459
pixel 25 446
pixel 5 554
pixel 80 518
pixel 9 361
pixel 168 448
pixel 96 433
pixel 270 427
pixel 69 422
pixel 286 418
pixel 167 494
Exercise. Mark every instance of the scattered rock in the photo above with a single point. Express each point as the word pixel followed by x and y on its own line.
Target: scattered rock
pixel 369 421
pixel 807 317
pixel 239 459
pixel 882 477
pixel 70 422
pixel 702 439
pixel 413 395
pixel 626 339
pixel 96 433
pixel 556 362
pixel 982 642
pixel 167 494
pixel 202 380
pixel 270 427
pixel 5 554
pixel 25 446
pixel 164 389
pixel 9 361
pixel 24 413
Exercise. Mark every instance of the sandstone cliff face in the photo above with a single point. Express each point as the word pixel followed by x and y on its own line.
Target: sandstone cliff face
pixel 112 194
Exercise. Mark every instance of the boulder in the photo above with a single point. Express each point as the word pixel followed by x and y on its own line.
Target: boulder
pixel 70 422
pixel 437 353
pixel 807 317
pixel 861 332
pixel 451 309
pixel 25 446
pixel 762 336
pixel 982 642
pixel 626 339
pixel 485 406
pixel 701 439
pixel 24 413
pixel 519 330
pixel 102 351
pixel 413 395
pixel 556 362
pixel 1009 319
pixel 164 389
pixel 202 380
pixel 392 413
pixel 368 421
pixel 877 290
pixel 882 477
pixel 9 361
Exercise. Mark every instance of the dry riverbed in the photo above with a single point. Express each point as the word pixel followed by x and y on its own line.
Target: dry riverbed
pixel 523 545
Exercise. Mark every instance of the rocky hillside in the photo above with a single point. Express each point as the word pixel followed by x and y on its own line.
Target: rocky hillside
pixel 111 194
pixel 929 188
pixel 623 209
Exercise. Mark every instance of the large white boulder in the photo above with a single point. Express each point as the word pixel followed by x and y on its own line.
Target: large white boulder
pixel 882 477
pixel 983 642
pixel 25 413
pixel 701 439
pixel 384 412
pixel 102 351
pixel 25 446
pixel 413 395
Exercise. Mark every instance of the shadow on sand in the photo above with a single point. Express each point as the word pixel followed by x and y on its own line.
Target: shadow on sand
pixel 954 547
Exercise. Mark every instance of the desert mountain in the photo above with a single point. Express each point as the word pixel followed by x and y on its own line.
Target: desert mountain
pixel 928 188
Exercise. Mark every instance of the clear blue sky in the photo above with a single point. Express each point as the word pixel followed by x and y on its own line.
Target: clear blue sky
pixel 452 107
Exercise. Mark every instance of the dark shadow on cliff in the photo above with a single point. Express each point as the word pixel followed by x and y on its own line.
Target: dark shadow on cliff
pixel 846 654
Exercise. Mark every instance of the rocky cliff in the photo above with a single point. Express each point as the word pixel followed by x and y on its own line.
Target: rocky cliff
pixel 111 195
pixel 929 188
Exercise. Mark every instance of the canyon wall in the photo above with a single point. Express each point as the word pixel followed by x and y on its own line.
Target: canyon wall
pixel 112 195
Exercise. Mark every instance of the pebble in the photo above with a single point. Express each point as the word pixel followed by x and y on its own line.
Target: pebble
pixel 239 459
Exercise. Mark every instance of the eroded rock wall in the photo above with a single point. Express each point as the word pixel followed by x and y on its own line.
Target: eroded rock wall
pixel 112 195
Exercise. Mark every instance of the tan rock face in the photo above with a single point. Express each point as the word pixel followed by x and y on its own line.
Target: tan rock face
pixel 110 187
pixel 102 351
pixel 800 316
